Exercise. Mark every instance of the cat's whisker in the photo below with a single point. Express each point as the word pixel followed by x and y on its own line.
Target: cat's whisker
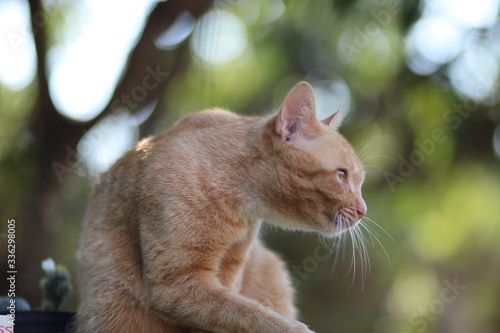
pixel 361 236
pixel 371 234
pixel 342 238
pixel 344 220
pixel 357 249
pixel 364 257
pixel 376 168
pixel 369 172
pixel 364 241
pixel 379 155
pixel 361 151
pixel 340 243
pixel 360 259
pixel 344 247
pixel 374 235
pixel 352 266
pixel 378 225
pixel 337 246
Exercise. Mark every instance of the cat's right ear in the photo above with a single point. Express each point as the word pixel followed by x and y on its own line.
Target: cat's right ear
pixel 297 111
pixel 334 120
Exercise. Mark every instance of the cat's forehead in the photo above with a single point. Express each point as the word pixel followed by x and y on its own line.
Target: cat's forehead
pixel 334 152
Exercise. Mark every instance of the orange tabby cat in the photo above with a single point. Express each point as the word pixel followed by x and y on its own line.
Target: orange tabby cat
pixel 170 239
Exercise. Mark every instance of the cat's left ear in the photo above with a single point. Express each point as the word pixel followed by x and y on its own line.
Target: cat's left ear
pixel 335 120
pixel 297 112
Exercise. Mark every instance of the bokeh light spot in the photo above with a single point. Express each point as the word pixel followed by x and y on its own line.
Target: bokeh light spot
pixel 17 51
pixel 81 82
pixel 435 39
pixel 219 37
pixel 177 32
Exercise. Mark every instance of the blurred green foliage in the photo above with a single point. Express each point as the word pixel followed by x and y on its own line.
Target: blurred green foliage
pixel 433 176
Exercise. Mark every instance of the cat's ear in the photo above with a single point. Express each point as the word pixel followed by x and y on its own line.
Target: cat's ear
pixel 335 120
pixel 297 111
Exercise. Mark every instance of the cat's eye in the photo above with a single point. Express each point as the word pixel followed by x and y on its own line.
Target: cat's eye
pixel 342 174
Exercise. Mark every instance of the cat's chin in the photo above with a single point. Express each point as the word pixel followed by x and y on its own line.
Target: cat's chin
pixel 332 229
pixel 340 222
pixel 329 225
pixel 343 228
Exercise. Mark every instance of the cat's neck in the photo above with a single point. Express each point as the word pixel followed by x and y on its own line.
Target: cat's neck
pixel 257 170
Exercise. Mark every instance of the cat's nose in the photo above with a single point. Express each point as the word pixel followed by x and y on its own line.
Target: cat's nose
pixel 361 209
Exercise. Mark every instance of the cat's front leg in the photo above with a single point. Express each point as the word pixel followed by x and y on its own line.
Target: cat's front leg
pixel 267 281
pixel 302 329
pixel 216 309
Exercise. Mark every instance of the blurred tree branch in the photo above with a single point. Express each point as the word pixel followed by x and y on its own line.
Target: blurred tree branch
pixel 55 135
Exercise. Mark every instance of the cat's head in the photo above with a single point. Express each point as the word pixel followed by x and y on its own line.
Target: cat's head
pixel 316 177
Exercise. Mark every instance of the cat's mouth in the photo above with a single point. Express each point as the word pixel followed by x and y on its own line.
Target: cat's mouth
pixel 343 218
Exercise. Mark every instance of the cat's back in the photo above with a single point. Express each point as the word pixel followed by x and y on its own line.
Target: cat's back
pixel 194 136
pixel 206 119
pixel 211 139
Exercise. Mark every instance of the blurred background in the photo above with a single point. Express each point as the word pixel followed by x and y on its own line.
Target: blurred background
pixel 82 80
